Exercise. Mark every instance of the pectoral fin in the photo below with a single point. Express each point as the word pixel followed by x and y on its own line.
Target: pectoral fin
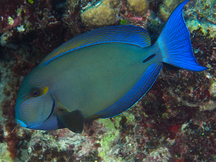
pixel 72 120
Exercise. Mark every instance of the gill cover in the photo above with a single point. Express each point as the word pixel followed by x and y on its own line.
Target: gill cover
pixel 34 108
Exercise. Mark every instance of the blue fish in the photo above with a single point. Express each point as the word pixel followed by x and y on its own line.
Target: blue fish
pixel 100 74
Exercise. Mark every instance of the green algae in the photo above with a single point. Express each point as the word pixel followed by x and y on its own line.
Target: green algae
pixel 107 141
pixel 31 1
pixel 123 22
pixel 112 135
pixel 10 20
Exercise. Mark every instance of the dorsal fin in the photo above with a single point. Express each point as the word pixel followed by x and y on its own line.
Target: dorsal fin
pixel 123 33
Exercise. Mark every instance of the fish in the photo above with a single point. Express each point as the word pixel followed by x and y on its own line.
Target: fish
pixel 100 74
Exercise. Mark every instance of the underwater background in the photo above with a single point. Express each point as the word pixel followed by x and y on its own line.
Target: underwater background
pixel 175 121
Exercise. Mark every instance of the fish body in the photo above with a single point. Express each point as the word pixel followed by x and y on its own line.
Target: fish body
pixel 100 74
pixel 92 79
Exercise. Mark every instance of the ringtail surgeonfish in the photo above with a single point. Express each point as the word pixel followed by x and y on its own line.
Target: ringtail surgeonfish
pixel 100 74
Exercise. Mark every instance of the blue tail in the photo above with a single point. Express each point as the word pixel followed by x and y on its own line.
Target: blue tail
pixel 174 42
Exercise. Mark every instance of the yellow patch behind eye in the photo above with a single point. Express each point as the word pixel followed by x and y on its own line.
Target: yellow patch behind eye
pixel 45 90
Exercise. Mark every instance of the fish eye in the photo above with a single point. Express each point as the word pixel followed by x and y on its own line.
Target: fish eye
pixel 35 92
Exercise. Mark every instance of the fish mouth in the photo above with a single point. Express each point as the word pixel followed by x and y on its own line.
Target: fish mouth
pixel 19 122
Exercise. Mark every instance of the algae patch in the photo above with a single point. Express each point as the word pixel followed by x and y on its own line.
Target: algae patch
pixel 112 137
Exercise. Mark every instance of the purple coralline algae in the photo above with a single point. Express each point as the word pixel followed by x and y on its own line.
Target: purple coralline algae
pixel 174 121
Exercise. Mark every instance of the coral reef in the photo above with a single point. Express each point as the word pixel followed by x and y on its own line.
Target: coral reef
pixel 103 13
pixel 167 8
pixel 203 16
pixel 138 7
pixel 174 121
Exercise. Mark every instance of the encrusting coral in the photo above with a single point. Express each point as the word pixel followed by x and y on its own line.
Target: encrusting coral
pixel 138 7
pixel 167 8
pixel 103 13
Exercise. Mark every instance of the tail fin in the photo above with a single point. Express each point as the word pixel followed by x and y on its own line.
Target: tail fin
pixel 174 42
